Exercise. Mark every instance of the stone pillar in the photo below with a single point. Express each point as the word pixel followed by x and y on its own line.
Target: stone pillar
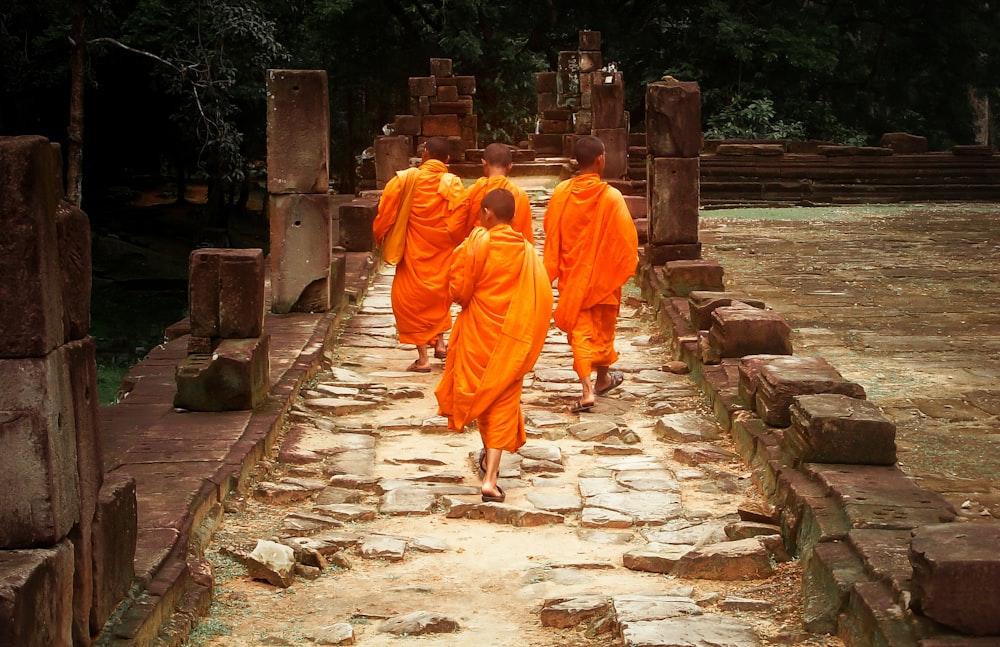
pixel 228 365
pixel 392 153
pixel 51 468
pixel 298 179
pixel 673 134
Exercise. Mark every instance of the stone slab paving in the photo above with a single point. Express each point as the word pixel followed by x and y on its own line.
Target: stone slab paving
pixel 576 554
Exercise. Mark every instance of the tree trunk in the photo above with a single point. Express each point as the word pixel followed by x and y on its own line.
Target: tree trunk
pixel 78 61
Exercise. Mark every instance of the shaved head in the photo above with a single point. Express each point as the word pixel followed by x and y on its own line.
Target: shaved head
pixel 587 149
pixel 497 154
pixel 501 203
pixel 437 148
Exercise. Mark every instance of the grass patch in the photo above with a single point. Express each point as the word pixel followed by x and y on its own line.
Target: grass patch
pixel 126 324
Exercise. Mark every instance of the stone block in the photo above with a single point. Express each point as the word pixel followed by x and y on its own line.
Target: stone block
pixel 456 107
pixel 36 597
pixel 673 118
pixel 31 306
pixel 607 100
pixel 356 219
pixel 782 379
pixel 440 126
pixel 338 276
pixel 466 85
pixel 301 239
pixel 636 205
pixel 827 578
pixel 590 62
pixel 590 40
pixel 81 361
pixel 749 372
pixel 658 255
pixel 298 131
pixel 583 122
pixel 423 86
pixel 834 428
pixel 955 572
pixel 739 330
pixel 404 125
pixel 546 101
pixel 673 190
pixel 392 153
pixel 39 479
pixel 904 143
pixel 447 93
pixel 567 75
pixel 551 126
pixel 546 144
pixel 456 147
pixel 441 67
pixel 686 276
pixel 226 293
pixel 701 304
pixel 234 378
pixel 615 151
pixel 545 82
pixel 113 542
pixel 73 232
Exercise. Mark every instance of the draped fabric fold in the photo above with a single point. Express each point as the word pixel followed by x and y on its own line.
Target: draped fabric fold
pixel 498 336
pixel 466 216
pixel 591 246
pixel 420 300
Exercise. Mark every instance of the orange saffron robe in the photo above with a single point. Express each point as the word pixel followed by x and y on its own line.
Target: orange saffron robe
pixel 506 301
pixel 420 300
pixel 591 250
pixel 467 214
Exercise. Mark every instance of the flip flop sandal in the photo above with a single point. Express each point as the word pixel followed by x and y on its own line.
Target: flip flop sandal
pixel 441 354
pixel 481 464
pixel 616 380
pixel 414 368
pixel 579 407
pixel 488 498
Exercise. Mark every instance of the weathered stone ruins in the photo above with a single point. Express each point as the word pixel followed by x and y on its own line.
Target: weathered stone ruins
pixel 85 558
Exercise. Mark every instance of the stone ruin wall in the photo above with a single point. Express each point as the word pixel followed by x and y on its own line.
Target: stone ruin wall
pixel 884 561
pixel 67 528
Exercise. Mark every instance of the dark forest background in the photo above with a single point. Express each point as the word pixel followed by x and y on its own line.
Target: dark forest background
pixel 175 88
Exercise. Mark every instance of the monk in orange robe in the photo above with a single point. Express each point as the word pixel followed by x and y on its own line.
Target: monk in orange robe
pixel 506 301
pixel 420 300
pixel 591 250
pixel 497 162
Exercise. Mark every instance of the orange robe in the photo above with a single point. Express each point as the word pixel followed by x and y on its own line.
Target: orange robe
pixel 591 249
pixel 466 216
pixel 506 301
pixel 420 300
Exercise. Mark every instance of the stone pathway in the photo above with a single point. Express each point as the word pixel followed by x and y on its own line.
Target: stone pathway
pixel 634 523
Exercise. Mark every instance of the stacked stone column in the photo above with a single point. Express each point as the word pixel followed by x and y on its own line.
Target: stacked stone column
pixel 228 363
pixel 609 120
pixel 299 203
pixel 441 105
pixel 67 533
pixel 673 133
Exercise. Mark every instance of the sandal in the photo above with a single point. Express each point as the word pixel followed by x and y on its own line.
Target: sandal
pixel 416 368
pixel 579 407
pixel 489 498
pixel 616 378
pixel 482 463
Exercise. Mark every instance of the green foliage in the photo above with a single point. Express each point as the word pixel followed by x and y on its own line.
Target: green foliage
pixel 754 119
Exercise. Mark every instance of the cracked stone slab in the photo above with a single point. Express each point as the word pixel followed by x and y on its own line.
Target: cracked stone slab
pixel 346 512
pixel 594 430
pixel 542 452
pixel 303 523
pixel 561 613
pixel 686 427
pixel 648 480
pixel 419 623
pixel 500 513
pixel 636 608
pixel 382 547
pixel 654 558
pixel 593 517
pixel 604 537
pixel 407 501
pixel 645 508
pixel 689 631
pixel 743 559
pixel 709 532
pixel 562 503
pixel 594 486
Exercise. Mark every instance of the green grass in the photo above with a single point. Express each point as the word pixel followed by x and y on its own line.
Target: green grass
pixel 126 324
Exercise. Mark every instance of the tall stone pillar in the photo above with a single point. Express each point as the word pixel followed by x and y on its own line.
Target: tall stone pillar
pixel 298 179
pixel 51 471
pixel 673 133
